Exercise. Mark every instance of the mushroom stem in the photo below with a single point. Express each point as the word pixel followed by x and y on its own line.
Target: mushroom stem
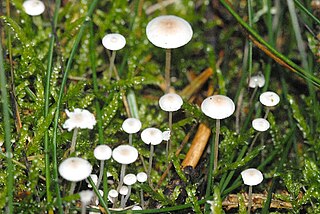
pixel 168 146
pixel 167 69
pixel 250 199
pixel 130 139
pixel 216 145
pixel 112 58
pixel 141 199
pixel 252 96
pixel 83 208
pixel 100 173
pixel 122 203
pixel 72 188
pixel 150 163
pixel 253 141
pixel 122 173
pixel 74 140
pixel 267 112
pixel 127 196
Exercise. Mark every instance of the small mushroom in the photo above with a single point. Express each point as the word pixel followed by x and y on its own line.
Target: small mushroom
pixel 85 198
pixel 260 124
pixel 124 154
pixel 123 192
pixel 113 42
pixel 217 107
pixel 170 102
pixel 251 177
pixel 168 32
pixel 33 7
pixel 129 180
pixel 102 153
pixel 152 136
pixel 257 81
pixel 74 169
pixel 112 195
pixel 269 99
pixel 142 177
pixel 131 126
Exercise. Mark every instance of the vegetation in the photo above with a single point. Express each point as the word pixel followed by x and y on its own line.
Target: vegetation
pixel 56 61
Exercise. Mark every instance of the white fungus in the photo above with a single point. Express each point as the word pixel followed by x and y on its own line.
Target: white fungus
pixel 218 107
pixel 125 154
pixel 166 135
pixel 86 196
pixel 151 136
pixel 142 177
pixel 130 179
pixel 269 98
pixel 75 169
pixel 131 125
pixel 251 177
pixel 94 178
pixel 33 7
pixel 113 41
pixel 112 195
pixel 102 152
pixel 260 124
pixel 169 31
pixel 136 208
pixel 170 102
pixel 79 118
pixel 257 81
pixel 123 190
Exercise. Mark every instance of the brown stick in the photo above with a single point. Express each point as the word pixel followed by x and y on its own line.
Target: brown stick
pixel 197 146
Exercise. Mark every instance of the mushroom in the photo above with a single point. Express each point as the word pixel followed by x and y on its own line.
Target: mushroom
pixel 79 118
pixel 168 32
pixel 142 177
pixel 131 126
pixel 269 99
pixel 113 42
pixel 85 198
pixel 128 180
pixel 124 154
pixel 152 136
pixel 123 192
pixel 217 107
pixel 112 195
pixel 260 125
pixel 33 7
pixel 251 177
pixel 170 102
pixel 102 153
pixel 136 208
pixel 74 169
pixel 257 81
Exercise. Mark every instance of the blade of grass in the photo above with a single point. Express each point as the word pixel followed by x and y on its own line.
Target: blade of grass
pixel 61 92
pixel 306 11
pixel 96 191
pixel 7 133
pixel 269 50
pixel 46 102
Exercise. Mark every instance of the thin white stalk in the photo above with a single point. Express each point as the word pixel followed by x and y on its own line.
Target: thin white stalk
pixel 253 141
pixel 216 145
pixel 168 146
pixel 100 173
pixel 130 139
pixel 150 163
pixel 250 199
pixel 83 208
pixel 122 203
pixel 167 70
pixel 122 173
pixel 72 188
pixel 141 199
pixel 127 196
pixel 74 140
pixel 112 59
pixel 267 112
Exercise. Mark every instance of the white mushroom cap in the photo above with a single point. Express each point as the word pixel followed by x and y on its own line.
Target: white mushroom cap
pixel 170 102
pixel 131 125
pixel 169 31
pixel 251 177
pixel 269 98
pixel 260 124
pixel 94 178
pixel 257 81
pixel 136 208
pixel 112 194
pixel 166 135
pixel 125 154
pixel 113 41
pixel 86 196
pixel 218 107
pixel 102 152
pixel 33 7
pixel 124 190
pixel 75 169
pixel 130 179
pixel 142 177
pixel 151 135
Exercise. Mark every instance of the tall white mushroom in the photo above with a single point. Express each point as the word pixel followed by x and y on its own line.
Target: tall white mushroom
pixel 168 32
pixel 260 125
pixel 128 180
pixel 152 136
pixel 113 42
pixel 251 177
pixel 217 107
pixel 102 153
pixel 123 192
pixel 131 126
pixel 142 177
pixel 74 169
pixel 124 154
pixel 170 102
